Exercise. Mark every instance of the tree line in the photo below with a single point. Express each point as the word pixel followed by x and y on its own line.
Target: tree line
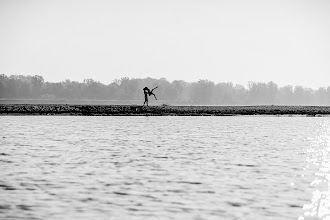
pixel 177 91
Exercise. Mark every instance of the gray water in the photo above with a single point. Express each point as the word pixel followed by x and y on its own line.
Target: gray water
pixel 164 167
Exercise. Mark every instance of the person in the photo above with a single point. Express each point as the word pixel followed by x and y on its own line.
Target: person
pixel 145 96
pixel 149 92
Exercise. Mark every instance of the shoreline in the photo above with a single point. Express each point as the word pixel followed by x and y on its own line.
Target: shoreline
pixel 162 110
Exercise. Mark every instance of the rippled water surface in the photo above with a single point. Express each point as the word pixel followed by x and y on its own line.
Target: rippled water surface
pixel 164 167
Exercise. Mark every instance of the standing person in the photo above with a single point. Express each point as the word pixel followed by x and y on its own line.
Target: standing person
pixel 145 91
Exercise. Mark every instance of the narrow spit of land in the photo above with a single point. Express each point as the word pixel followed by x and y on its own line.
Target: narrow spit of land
pixel 163 110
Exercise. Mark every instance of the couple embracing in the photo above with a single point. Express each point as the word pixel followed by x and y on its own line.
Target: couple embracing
pixel 147 92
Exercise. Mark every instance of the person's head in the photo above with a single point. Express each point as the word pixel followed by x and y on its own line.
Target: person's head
pixel 145 88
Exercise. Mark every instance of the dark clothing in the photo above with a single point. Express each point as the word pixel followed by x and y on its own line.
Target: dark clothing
pixel 145 97
pixel 147 92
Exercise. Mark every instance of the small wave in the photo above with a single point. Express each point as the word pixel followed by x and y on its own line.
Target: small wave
pixel 6 187
pixel 235 204
pixel 5 206
pixel 24 207
pixel 246 165
pixel 6 161
pixel 189 182
pixel 121 193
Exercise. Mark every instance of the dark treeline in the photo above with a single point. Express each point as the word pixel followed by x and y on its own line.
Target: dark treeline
pixel 178 91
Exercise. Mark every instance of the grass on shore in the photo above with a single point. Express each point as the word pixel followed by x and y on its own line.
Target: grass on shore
pixel 164 109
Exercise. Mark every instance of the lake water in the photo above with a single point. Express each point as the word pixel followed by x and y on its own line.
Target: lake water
pixel 64 167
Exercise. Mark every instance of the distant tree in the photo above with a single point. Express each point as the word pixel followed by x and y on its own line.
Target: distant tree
pixel 224 93
pixel 4 86
pixel 285 95
pixel 240 95
pixel 112 90
pixel 176 90
pixel 72 89
pixel 202 92
pixel 258 93
pixel 321 96
pixel 93 89
pixel 298 95
pixel 328 96
pixel 272 91
pixel 309 97
pixel 128 89
pixel 163 89
pixel 37 82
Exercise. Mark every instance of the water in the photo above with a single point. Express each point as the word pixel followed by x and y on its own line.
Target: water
pixel 164 167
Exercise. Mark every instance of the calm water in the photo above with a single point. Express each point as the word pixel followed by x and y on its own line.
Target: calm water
pixel 164 167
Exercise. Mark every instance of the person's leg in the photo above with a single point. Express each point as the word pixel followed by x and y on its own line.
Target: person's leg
pixel 145 98
pixel 154 89
pixel 153 95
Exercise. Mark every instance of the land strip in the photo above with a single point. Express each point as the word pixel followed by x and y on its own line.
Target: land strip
pixel 162 110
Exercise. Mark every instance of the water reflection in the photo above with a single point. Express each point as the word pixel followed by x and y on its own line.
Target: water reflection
pixel 318 157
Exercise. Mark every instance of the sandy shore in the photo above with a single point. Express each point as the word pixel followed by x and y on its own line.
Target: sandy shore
pixel 135 110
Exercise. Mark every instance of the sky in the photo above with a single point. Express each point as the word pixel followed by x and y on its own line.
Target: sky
pixel 284 41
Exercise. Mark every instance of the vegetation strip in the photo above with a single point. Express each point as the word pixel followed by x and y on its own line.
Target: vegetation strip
pixel 163 110
pixel 19 88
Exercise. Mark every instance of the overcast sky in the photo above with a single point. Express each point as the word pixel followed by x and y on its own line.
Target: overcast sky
pixel 287 41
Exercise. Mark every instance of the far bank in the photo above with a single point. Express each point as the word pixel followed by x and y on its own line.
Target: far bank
pixel 161 110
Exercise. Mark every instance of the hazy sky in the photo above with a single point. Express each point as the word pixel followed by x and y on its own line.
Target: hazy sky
pixel 287 42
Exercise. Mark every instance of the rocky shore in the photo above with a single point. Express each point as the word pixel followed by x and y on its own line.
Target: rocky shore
pixel 163 110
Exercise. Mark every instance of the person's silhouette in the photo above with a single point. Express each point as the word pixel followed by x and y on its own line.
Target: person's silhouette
pixel 149 92
pixel 145 96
